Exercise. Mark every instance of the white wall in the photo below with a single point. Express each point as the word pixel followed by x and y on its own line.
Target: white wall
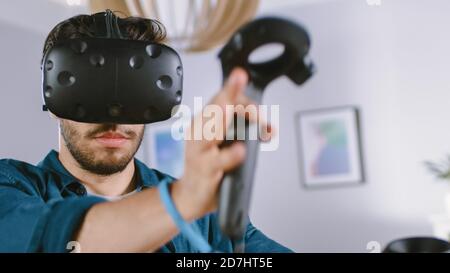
pixel 391 61
pixel 27 133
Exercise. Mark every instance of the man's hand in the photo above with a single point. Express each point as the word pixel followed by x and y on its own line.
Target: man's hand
pixel 195 194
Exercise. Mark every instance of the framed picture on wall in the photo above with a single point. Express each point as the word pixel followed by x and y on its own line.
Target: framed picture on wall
pixel 330 151
pixel 165 152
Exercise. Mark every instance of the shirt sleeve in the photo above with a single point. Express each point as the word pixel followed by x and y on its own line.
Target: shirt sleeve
pixel 258 242
pixel 28 224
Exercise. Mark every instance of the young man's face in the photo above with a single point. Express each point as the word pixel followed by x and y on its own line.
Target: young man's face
pixel 102 149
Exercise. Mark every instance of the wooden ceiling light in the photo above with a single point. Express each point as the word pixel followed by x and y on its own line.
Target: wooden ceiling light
pixel 192 25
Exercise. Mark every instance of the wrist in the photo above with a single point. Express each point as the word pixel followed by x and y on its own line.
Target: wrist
pixel 183 202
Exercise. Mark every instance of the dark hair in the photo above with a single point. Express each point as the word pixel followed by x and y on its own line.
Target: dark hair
pixel 82 26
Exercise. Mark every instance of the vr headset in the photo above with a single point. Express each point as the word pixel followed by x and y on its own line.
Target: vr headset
pixel 110 78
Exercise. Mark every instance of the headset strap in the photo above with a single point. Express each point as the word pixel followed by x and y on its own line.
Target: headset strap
pixel 107 25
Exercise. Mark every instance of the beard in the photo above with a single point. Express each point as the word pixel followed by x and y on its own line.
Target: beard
pixel 89 159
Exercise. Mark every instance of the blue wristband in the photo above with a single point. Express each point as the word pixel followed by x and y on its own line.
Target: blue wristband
pixel 194 237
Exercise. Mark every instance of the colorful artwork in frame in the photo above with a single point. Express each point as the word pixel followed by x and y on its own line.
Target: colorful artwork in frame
pixel 330 147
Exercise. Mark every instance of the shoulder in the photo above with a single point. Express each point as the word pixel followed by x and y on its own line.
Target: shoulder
pixel 12 169
pixel 26 176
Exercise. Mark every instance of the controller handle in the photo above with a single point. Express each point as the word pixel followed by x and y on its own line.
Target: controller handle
pixel 236 186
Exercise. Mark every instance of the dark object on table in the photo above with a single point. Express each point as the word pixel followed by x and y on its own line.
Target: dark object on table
pixel 418 245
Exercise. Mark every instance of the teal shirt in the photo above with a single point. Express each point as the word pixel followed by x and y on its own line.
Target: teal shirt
pixel 42 206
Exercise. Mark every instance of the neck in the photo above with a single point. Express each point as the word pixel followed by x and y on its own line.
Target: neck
pixel 112 185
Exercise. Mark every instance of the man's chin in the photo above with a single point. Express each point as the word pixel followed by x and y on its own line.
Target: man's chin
pixel 109 163
pixel 112 155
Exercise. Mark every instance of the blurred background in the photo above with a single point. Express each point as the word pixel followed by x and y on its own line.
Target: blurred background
pixel 388 58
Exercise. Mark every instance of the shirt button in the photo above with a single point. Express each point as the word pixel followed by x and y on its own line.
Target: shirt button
pixel 80 190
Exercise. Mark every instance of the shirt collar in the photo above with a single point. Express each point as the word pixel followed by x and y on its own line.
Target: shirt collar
pixel 145 177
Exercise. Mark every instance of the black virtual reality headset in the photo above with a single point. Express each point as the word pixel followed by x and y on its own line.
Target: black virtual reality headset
pixel 111 79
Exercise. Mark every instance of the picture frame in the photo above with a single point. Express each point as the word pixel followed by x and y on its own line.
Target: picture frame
pixel 329 147
pixel 164 152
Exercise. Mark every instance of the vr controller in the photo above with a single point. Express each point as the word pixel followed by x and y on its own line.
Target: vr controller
pixel 236 187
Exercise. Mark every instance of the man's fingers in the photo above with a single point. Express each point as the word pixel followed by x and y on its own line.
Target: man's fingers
pixel 234 87
pixel 232 90
pixel 230 157
pixel 211 125
pixel 267 131
pixel 231 93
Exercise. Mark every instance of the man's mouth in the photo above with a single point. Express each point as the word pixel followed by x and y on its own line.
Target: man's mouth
pixel 111 139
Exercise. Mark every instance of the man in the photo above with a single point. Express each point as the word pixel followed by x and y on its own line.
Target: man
pixel 94 193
